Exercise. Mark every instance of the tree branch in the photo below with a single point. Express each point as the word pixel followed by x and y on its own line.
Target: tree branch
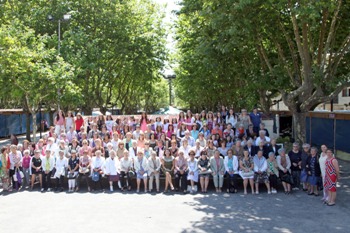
pixel 340 54
pixel 330 36
pixel 318 96
pixel 296 76
pixel 322 35
pixel 297 37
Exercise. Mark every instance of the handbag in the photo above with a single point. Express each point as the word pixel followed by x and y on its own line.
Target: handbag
pixel 287 178
pixel 84 170
pixel 208 171
pixel 71 175
pixel 247 174
pixel 95 176
pixel 19 175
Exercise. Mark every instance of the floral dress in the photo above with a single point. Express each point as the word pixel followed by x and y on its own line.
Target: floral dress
pixel 4 173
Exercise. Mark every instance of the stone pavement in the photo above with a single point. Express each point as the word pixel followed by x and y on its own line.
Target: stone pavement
pixel 130 212
pixel 84 212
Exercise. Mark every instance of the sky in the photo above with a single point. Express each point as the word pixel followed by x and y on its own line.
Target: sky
pixel 169 19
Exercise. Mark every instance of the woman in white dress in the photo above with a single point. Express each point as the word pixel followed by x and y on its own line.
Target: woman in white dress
pixel 70 123
pixel 322 161
pixel 112 169
pixel 192 171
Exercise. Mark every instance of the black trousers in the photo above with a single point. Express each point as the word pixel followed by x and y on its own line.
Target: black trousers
pixel 296 178
pixel 181 181
pixel 125 179
pixel 273 181
pixel 85 177
pixel 47 180
pixel 59 182
pixel 232 182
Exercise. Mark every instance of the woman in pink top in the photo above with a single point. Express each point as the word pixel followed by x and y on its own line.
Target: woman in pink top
pixel 189 120
pixel 170 130
pixel 144 121
pixel 181 119
pixel 59 122
pixel 26 167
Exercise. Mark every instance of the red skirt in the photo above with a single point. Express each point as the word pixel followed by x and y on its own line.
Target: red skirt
pixel 330 182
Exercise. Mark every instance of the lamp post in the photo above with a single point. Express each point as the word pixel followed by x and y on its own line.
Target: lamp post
pixel 169 75
pixel 66 17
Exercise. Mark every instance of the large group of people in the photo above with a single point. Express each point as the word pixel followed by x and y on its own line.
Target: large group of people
pixel 187 150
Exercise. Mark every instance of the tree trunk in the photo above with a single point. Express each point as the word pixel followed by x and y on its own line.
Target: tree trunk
pixel 299 126
pixel 51 117
pixel 28 126
pixel 34 127
pixel 86 110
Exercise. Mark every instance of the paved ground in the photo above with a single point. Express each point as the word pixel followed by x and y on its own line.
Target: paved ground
pixel 103 212
pixel 117 212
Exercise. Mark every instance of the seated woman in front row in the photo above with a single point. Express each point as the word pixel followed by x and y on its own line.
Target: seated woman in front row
pixel 246 166
pixel 204 171
pixel 218 170
pixel 260 176
pixel 141 166
pixel 231 167
pixel 284 164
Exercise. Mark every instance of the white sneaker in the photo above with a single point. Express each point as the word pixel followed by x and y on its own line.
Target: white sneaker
pixel 111 188
pixel 268 192
pixel 42 190
pixel 274 191
pixel 257 192
pixel 49 189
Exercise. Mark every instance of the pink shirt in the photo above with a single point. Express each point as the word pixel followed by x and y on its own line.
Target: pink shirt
pixel 26 161
pixel 60 121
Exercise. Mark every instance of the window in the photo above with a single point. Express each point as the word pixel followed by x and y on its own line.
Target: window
pixel 346 92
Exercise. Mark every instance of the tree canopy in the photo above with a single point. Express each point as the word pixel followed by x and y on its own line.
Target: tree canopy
pixel 115 51
pixel 244 52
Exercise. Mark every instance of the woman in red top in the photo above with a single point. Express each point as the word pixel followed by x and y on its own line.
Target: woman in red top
pixel 79 122
pixel 331 178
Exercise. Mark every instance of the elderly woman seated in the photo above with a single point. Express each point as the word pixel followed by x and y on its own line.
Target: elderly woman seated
pixel 284 164
pixel 231 167
pixel 141 166
pixel 260 172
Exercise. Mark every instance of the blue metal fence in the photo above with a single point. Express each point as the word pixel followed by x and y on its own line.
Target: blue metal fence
pixel 16 123
pixel 332 132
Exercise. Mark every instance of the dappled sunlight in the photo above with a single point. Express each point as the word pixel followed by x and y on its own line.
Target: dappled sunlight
pixel 273 213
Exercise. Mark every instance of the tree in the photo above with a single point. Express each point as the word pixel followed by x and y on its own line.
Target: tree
pixel 30 72
pixel 298 49
pixel 117 48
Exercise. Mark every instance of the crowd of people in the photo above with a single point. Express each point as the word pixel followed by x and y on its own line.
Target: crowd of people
pixel 186 150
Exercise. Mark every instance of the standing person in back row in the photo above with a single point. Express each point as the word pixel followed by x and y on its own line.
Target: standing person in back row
pixel 60 122
pixel 255 118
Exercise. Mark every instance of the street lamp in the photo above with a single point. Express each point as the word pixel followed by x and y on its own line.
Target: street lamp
pixel 169 75
pixel 66 17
